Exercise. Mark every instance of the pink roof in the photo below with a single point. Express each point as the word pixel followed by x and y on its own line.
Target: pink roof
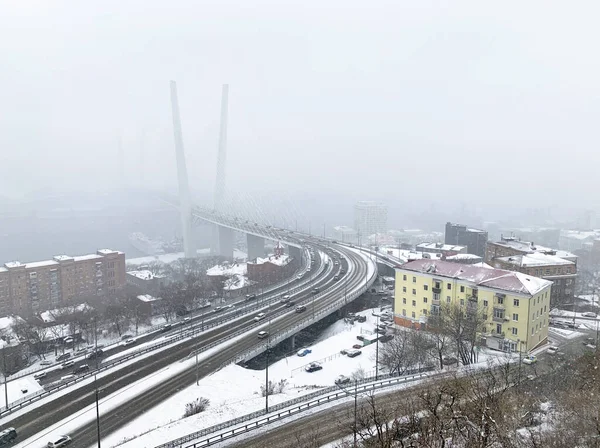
pixel 491 278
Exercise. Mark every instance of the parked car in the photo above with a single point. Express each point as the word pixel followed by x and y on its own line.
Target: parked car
pixel 263 334
pixel 313 367
pixel 80 369
pixel 63 356
pixel 531 359
pixel 259 317
pixel 353 353
pixel 300 309
pixel 448 360
pixel 7 436
pixel 68 340
pixel 386 338
pixel 342 380
pixel 357 346
pixel 166 327
pixel 304 352
pixel 589 314
pixel 66 365
pixel 40 375
pixel 46 362
pixel 130 341
pixel 349 320
pixel 61 441
pixel 361 319
pixel 552 350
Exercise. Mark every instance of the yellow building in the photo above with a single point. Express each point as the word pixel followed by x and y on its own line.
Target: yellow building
pixel 515 306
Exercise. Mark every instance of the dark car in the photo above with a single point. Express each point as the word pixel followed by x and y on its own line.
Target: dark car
pixel 386 338
pixel 353 353
pixel 361 319
pixel 290 304
pixel 250 296
pixel 7 436
pixel 95 354
pixel 448 361
pixel 300 309
pixel 80 369
pixel 315 291
pixel 166 327
pixel 63 357
pixel 313 367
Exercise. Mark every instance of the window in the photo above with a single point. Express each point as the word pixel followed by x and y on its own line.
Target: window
pixel 499 328
pixel 424 299
pixel 447 299
pixel 404 312
pixel 514 331
pixel 414 279
pixel 485 317
pixel 414 292
pixel 547 271
pixel 498 314
pixel 515 317
pixel 485 303
pixel 462 289
pixel 404 300
pixel 516 302
pixel 436 296
pixel 532 331
pixel 413 314
pixel 544 308
pixel 500 300
pixel 404 277
pixel 449 286
pixel 425 312
pixel 414 303
pixel 462 302
pixel 425 287
pixel 437 285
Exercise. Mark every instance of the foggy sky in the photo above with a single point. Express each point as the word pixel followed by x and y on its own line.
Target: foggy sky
pixel 444 102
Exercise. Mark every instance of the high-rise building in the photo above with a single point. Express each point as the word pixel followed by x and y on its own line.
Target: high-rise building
pixel 30 288
pixel 369 218
pixel 460 234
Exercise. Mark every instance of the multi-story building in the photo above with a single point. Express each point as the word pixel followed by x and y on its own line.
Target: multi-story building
pixel 460 234
pixel 577 240
pixel 558 266
pixel 344 234
pixel 515 306
pixel 369 218
pixel 146 281
pixel 30 288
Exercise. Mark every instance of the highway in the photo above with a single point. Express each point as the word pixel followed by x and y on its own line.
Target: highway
pixel 48 414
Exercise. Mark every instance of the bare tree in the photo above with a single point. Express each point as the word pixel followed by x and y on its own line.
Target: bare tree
pixel 117 316
pixel 35 337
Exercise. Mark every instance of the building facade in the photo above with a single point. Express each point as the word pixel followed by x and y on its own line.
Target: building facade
pixel 558 266
pixel 345 234
pixel 30 288
pixel 145 281
pixel 438 248
pixel 515 306
pixel 460 234
pixel 369 218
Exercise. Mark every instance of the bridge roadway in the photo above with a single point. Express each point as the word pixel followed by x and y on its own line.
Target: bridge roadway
pixel 50 413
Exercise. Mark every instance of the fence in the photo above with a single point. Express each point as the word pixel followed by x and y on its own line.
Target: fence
pixel 310 400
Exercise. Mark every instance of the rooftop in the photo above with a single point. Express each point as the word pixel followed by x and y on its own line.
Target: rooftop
pixel 536 259
pixel 512 282
pixel 13 264
pixel 440 246
pixel 88 257
pixel 63 257
pixel 144 275
pixel 148 298
pixel 530 248
pixel 40 264
pixel 463 257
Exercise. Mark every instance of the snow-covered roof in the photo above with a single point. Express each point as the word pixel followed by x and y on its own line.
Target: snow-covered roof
pixel 509 281
pixel 463 257
pixel 536 259
pixel 40 264
pixel 482 264
pixel 236 281
pixel 63 257
pixel 148 298
pixel 88 257
pixel 281 260
pixel 13 264
pixel 344 229
pixel 51 315
pixel 144 275
pixel 106 251
pixel 228 269
pixel 440 246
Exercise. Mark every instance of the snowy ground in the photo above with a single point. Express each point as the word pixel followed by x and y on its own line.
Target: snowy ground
pixel 591 298
pixel 235 391
pixel 18 389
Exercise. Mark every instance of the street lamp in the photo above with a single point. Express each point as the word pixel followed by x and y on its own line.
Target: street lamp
pixel 5 370
pixel 520 358
pixel 97 411
pixel 377 350
pixel 355 394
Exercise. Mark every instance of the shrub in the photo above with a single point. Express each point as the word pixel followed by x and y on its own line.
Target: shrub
pixel 196 406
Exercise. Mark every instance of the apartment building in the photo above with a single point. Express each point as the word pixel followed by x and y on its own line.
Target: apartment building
pixel 460 234
pixel 515 306
pixel 558 266
pixel 439 248
pixel 369 218
pixel 30 288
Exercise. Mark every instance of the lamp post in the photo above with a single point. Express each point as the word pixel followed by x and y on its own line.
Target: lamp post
pixel 520 358
pixel 267 364
pixel 377 350
pixel 97 411
pixel 5 370
pixel 355 394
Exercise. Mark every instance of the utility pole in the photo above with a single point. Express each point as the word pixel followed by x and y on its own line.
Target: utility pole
pixel 97 412
pixel 355 409
pixel 267 379
pixel 5 369
pixel 377 350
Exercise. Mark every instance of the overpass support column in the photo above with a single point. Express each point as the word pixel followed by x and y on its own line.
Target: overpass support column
pixel 226 240
pixel 293 342
pixel 256 246
pixel 295 253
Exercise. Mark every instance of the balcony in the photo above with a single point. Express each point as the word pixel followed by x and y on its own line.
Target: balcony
pixel 436 290
pixel 499 306
pixel 436 302
pixel 499 320
pixel 498 335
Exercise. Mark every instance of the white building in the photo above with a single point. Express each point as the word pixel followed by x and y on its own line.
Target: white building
pixel 344 234
pixel 370 218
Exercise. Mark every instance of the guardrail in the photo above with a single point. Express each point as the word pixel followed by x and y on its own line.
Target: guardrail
pixel 18 404
pixel 315 398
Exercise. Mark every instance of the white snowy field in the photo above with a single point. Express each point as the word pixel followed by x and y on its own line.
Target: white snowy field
pixel 18 389
pixel 235 391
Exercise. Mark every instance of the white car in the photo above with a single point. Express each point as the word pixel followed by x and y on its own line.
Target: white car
pixel 529 359
pixel 61 441
pixel 589 314
pixel 259 317
pixel 39 376
pixel 129 342
pixel 553 350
